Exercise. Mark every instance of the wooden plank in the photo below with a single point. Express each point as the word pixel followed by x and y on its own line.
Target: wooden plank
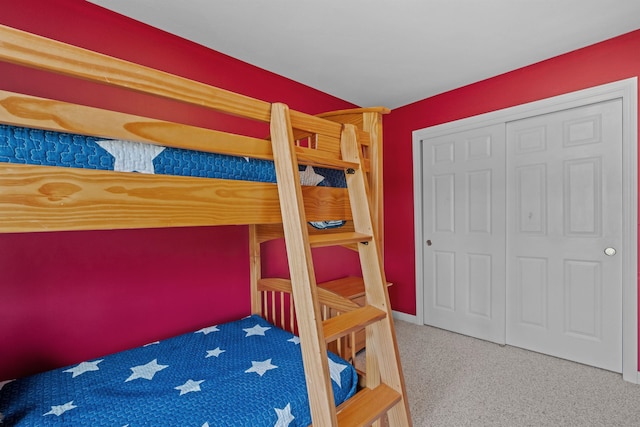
pixel 42 198
pixel 348 287
pixel 364 137
pixel 30 50
pixel 367 406
pixel 311 157
pixel 352 113
pixel 325 297
pixel 313 124
pixel 255 271
pixel 41 113
pixel 353 321
pixel 335 239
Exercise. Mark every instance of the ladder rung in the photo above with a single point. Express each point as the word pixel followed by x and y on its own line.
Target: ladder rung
pixel 367 406
pixel 351 321
pixel 335 239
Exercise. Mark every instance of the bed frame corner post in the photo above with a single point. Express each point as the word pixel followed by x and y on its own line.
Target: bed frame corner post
pixel 255 270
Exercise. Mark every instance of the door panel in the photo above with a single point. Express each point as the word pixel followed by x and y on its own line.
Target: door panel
pixel 564 207
pixel 464 202
pixel 531 279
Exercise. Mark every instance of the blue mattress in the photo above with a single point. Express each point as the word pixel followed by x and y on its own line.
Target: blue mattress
pixel 243 373
pixel 48 148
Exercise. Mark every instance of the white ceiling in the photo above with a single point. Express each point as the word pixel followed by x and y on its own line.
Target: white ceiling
pixel 388 52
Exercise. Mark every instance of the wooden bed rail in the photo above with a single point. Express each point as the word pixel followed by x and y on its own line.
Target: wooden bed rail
pixel 275 304
pixel 41 198
pixel 33 51
pixel 30 111
pixel 29 50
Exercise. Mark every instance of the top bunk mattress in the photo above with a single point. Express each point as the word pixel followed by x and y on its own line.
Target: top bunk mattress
pixel 243 373
pixel 23 145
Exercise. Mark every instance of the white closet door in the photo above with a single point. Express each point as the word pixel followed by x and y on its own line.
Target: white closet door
pixel 464 229
pixel 564 210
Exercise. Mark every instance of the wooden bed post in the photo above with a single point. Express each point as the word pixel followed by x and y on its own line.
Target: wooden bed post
pixel 255 270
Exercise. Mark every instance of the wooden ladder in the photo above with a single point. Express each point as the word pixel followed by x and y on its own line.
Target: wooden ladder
pixel 385 390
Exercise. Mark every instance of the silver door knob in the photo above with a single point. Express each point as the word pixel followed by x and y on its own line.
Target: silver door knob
pixel 610 251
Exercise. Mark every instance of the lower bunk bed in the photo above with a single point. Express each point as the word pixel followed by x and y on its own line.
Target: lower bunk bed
pixel 247 372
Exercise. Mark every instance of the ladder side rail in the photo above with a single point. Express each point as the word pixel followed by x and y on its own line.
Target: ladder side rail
pixel 380 335
pixel 314 353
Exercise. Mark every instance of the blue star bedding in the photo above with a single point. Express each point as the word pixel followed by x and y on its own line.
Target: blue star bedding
pixel 243 373
pixel 49 148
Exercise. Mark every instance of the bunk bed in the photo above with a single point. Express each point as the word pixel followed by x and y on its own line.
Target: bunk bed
pixel 94 186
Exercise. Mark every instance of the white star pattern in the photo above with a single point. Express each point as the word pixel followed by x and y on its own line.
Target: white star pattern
pixel 215 353
pixel 4 383
pixel 178 385
pixel 61 409
pixel 84 367
pixel 208 330
pixel 131 156
pixel 189 386
pixel 334 371
pixel 146 371
pixel 256 330
pixel 261 367
pixel 310 177
pixel 284 416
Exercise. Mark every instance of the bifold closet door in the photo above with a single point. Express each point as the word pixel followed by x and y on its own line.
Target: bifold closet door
pixel 564 214
pixel 464 229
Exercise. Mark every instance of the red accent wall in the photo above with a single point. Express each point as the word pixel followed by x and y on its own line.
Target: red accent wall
pixel 67 297
pixel 605 62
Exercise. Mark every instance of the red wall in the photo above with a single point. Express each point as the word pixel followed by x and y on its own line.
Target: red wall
pixel 67 297
pixel 605 62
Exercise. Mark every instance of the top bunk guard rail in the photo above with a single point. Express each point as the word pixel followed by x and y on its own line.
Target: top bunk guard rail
pixel 86 199
pixel 29 50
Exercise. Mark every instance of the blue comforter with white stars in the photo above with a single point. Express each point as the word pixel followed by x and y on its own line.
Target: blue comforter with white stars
pixel 243 373
pixel 49 148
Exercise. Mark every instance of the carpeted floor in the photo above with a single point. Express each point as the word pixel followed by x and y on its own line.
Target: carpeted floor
pixel 454 380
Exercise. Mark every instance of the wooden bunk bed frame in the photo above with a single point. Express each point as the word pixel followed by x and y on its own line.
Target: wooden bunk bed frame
pixel 41 198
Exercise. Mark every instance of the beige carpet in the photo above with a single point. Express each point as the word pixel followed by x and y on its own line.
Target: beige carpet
pixel 454 380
